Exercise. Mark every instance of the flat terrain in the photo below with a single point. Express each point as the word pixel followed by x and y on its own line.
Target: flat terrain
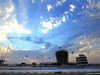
pixel 90 73
pixel 48 71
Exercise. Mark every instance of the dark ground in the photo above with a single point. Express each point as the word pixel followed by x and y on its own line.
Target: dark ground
pixel 90 73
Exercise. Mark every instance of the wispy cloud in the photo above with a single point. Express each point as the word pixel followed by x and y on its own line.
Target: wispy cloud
pixel 41 16
pixel 39 41
pixel 47 25
pixel 23 10
pixel 49 7
pixel 72 7
pixel 60 2
pixel 53 22
pixel 10 23
pixel 32 1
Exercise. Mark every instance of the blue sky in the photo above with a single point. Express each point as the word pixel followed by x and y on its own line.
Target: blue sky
pixel 27 25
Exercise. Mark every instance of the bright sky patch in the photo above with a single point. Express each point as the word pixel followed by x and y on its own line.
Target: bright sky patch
pixel 30 24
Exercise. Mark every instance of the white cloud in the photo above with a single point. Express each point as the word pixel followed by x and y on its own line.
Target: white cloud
pixel 72 7
pixel 98 5
pixel 66 12
pixel 23 10
pixel 88 9
pixel 55 25
pixel 3 35
pixel 47 25
pixel 10 25
pixel 49 7
pixel 52 19
pixel 80 42
pixel 63 0
pixel 82 7
pixel 60 2
pixel 10 9
pixel 41 16
pixel 44 31
pixel 63 18
pixel 27 31
pixel 6 16
pixel 23 49
pixel 53 22
pixel 32 1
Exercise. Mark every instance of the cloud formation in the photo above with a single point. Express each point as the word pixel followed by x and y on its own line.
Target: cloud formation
pixel 10 23
pixel 49 7
pixel 52 23
pixel 75 26
pixel 72 7
pixel 60 2
pixel 32 1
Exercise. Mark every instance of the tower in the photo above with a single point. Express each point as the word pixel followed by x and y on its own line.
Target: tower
pixel 62 57
pixel 81 60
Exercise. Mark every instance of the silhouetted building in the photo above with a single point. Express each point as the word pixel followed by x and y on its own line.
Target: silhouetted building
pixel 62 57
pixel 81 60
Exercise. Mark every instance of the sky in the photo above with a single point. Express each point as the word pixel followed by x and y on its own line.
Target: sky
pixel 28 25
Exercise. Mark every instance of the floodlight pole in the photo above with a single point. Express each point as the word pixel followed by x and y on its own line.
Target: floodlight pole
pixel 42 53
pixel 6 53
pixel 42 56
pixel 53 58
pixel 39 58
pixel 89 56
pixel 73 56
